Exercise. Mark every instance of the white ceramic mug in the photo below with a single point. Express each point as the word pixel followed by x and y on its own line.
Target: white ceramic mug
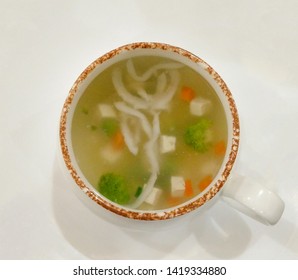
pixel 240 192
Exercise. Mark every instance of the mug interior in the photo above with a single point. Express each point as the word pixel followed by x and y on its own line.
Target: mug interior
pixel 179 55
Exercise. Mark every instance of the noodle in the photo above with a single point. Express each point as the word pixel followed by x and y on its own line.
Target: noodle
pixel 135 101
pixel 152 104
pixel 121 106
pixel 162 99
pixel 132 71
pixel 147 190
pixel 130 140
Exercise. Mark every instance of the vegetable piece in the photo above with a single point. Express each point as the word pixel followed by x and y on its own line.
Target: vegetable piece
pixel 188 188
pixel 187 94
pixel 114 187
pixel 206 181
pixel 138 191
pixel 197 135
pixel 220 148
pixel 109 126
pixel 118 141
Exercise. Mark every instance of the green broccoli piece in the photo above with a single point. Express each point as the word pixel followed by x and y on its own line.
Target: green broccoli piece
pixel 109 126
pixel 196 136
pixel 114 187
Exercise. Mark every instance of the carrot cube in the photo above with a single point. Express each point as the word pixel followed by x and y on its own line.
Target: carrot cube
pixel 187 94
pixel 206 181
pixel 188 188
pixel 118 140
pixel 220 148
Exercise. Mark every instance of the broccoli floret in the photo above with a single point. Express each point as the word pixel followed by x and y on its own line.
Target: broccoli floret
pixel 109 126
pixel 196 136
pixel 114 187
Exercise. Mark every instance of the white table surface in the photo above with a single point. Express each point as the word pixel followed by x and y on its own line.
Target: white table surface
pixel 44 46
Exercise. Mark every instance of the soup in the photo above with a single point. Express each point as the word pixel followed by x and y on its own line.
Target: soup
pixel 149 133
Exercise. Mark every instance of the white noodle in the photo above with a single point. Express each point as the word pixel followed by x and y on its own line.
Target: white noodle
pixel 135 101
pixel 134 122
pixel 132 71
pixel 162 99
pixel 147 189
pixel 151 145
pixel 151 152
pixel 161 83
pixel 160 88
pixel 130 141
pixel 152 157
pixel 142 93
pixel 152 104
pixel 150 149
pixel 121 106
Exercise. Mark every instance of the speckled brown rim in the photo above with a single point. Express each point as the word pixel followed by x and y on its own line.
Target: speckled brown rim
pixel 166 213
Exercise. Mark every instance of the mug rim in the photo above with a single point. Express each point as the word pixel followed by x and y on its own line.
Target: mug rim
pixel 168 213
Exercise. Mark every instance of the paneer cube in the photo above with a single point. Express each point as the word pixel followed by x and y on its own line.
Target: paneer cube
pixel 106 111
pixel 154 196
pixel 177 186
pixel 167 143
pixel 200 106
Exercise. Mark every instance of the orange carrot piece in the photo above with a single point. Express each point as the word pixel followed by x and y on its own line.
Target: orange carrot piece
pixel 188 188
pixel 187 94
pixel 118 141
pixel 206 181
pixel 220 148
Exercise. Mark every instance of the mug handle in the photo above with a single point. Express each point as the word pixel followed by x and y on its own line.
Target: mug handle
pixel 252 199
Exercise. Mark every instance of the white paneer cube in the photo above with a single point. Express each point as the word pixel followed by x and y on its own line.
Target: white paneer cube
pixel 106 111
pixel 200 106
pixel 167 143
pixel 154 196
pixel 177 186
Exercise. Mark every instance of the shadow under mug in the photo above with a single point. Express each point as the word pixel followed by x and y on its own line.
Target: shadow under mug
pixel 240 192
